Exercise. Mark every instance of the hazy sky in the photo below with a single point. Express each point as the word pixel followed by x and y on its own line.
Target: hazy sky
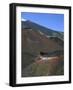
pixel 52 21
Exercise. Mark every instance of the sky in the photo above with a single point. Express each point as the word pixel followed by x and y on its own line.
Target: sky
pixel 52 21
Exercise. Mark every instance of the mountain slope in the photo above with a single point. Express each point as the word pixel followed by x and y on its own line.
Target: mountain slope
pixel 36 39
pixel 46 31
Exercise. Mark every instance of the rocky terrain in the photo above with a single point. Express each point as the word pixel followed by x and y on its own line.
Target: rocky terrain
pixel 36 39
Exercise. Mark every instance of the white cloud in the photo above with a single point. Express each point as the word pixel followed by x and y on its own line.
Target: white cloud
pixel 22 19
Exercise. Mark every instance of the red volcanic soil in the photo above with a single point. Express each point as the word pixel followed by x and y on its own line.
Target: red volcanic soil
pixel 52 60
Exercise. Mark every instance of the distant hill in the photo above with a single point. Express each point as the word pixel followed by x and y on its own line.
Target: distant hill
pixel 36 39
pixel 42 29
